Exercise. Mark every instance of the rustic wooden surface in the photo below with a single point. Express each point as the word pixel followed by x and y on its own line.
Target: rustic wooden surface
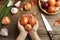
pixel 13 30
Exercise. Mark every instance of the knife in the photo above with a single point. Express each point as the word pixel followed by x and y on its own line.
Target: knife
pixel 47 26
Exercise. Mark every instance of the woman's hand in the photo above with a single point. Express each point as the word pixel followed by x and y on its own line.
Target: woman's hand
pixel 21 27
pixel 22 35
pixel 33 33
pixel 35 27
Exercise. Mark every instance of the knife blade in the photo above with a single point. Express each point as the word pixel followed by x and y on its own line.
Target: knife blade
pixel 47 26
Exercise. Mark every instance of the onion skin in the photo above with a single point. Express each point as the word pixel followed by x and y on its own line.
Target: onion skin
pixel 32 21
pixel 24 20
pixel 6 20
pixel 51 2
pixel 58 3
pixel 28 27
pixel 45 5
pixel 51 9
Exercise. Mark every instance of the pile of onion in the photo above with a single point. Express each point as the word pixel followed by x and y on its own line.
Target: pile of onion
pixel 28 21
pixel 51 5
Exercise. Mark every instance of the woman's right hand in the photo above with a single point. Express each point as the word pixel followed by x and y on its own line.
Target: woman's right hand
pixel 21 27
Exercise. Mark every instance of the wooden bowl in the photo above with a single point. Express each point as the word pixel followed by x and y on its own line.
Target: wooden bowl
pixel 46 11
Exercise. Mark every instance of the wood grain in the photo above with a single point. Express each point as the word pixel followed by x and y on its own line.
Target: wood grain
pixel 13 30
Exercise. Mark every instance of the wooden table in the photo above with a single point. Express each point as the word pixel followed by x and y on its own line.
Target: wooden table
pixel 13 30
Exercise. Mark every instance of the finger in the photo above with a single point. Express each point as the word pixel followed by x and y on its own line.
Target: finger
pixel 20 27
pixel 35 27
pixel 37 24
pixel 19 23
pixel 24 15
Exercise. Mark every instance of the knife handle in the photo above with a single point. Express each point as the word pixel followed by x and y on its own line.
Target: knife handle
pixel 50 33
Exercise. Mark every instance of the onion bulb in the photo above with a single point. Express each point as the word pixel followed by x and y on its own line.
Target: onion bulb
pixel 28 6
pixel 51 2
pixel 58 3
pixel 51 9
pixel 57 22
pixel 24 20
pixel 14 10
pixel 32 21
pixel 28 27
pixel 45 5
pixel 5 20
pixel 4 32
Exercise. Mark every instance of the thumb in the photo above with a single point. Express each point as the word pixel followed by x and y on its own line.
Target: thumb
pixel 20 27
pixel 35 27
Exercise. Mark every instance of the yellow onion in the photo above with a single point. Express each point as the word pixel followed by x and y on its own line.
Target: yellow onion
pixel 51 2
pixel 32 21
pixel 28 6
pixel 51 9
pixel 28 27
pixel 58 3
pixel 5 20
pixel 24 20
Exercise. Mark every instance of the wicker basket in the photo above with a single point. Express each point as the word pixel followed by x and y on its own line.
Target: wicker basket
pixel 46 11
